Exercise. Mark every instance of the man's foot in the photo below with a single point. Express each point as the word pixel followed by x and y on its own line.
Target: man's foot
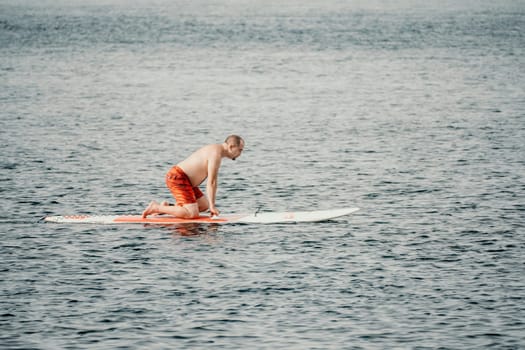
pixel 152 208
pixel 162 204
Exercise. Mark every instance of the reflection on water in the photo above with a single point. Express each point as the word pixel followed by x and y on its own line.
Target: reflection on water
pixel 189 229
pixel 194 229
pixel 204 233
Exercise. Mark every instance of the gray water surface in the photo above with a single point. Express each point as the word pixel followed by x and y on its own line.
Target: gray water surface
pixel 412 111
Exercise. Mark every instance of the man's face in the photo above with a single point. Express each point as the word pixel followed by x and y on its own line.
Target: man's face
pixel 237 150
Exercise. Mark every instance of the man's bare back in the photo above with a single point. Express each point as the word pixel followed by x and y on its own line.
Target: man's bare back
pixel 201 165
pixel 197 165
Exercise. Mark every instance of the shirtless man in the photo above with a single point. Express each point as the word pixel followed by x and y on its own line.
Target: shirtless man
pixel 184 178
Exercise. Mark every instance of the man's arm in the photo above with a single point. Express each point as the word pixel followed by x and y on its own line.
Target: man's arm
pixel 214 163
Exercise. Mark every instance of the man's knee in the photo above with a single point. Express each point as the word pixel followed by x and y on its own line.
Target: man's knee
pixel 192 210
pixel 203 204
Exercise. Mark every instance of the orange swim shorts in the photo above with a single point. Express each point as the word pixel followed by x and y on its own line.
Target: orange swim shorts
pixel 180 186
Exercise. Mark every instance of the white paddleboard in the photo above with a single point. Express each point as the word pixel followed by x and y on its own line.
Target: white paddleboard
pixel 256 218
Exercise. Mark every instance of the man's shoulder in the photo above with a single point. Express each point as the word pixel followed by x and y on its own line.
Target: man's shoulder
pixel 214 147
pixel 212 150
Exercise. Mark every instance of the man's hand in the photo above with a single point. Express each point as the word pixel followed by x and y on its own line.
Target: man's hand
pixel 214 211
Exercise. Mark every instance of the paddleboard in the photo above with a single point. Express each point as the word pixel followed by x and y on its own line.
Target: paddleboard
pixel 255 218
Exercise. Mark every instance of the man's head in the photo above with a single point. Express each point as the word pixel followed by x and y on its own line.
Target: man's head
pixel 235 146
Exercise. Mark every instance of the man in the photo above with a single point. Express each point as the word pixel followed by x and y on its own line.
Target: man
pixel 184 178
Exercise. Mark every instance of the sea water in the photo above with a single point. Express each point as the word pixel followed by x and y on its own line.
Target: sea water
pixel 411 110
